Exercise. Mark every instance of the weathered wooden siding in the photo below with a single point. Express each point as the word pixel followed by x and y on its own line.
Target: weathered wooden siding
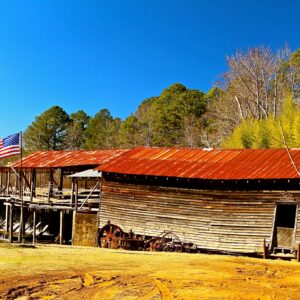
pixel 223 220
pixel 297 235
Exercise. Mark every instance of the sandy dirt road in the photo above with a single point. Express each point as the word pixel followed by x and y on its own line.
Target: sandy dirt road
pixel 53 272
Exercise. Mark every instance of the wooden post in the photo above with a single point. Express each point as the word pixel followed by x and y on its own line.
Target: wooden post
pixel 17 183
pixel 72 192
pixel 34 229
pixel 11 224
pixel 32 184
pixel 7 182
pixel 6 218
pixel 61 223
pixel 73 226
pixel 20 236
pixel 265 250
pixel 76 194
pixel 61 180
pixel 21 185
pixel 50 184
pixel 298 253
pixel 26 180
pixel 1 181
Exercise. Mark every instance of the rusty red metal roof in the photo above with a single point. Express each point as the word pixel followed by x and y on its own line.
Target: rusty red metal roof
pixel 219 164
pixel 59 159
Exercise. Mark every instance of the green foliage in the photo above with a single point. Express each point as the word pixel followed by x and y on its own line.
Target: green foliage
pixel 48 131
pixel 171 119
pixel 129 132
pixel 114 133
pixel 146 117
pixel 171 109
pixel 102 131
pixel 292 74
pixel 76 135
pixel 212 94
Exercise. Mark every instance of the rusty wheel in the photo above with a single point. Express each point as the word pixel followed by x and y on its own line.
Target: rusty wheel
pixel 109 236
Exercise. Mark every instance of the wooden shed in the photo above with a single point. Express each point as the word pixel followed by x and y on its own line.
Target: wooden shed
pixel 224 200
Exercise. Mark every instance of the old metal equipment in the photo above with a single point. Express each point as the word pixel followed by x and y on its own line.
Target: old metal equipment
pixel 109 236
pixel 170 242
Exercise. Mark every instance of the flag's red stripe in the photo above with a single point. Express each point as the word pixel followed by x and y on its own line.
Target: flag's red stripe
pixel 10 148
pixel 9 154
pixel 9 151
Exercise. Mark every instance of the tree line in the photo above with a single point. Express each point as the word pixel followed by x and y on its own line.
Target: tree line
pixel 260 88
pixel 173 118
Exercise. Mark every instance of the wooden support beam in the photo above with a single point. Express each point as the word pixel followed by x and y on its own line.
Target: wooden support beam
pixel 265 250
pixel 32 184
pixel 17 181
pixel 34 229
pixel 49 207
pixel 7 182
pixel 50 193
pixel 1 181
pixel 4 183
pixel 26 181
pixel 54 181
pixel 61 179
pixel 72 192
pixel 61 225
pixel 91 192
pixel 101 180
pixel 10 238
pixel 73 226
pixel 6 218
pixel 76 195
pixel 21 228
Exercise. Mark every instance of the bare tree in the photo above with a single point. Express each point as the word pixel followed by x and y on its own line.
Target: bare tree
pixel 254 87
pixel 191 131
pixel 291 72
pixel 254 82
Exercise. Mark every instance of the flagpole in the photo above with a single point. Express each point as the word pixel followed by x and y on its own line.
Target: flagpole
pixel 21 192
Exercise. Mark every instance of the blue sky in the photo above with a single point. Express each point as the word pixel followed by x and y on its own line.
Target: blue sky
pixel 113 54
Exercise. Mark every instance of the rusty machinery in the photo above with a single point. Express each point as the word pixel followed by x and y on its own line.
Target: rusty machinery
pixel 112 236
pixel 168 241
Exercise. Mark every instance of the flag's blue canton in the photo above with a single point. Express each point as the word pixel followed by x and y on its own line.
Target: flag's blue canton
pixel 11 140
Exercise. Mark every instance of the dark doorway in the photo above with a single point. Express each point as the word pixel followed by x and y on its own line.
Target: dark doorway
pixel 285 225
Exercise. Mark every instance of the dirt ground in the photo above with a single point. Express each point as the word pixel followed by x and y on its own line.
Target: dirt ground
pixel 53 272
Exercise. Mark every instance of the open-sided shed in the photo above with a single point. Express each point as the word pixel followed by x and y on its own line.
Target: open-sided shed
pixel 39 193
pixel 225 200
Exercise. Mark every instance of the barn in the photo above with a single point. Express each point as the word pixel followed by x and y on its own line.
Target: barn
pixel 222 200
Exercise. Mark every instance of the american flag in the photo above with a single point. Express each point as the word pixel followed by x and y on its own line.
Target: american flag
pixel 10 145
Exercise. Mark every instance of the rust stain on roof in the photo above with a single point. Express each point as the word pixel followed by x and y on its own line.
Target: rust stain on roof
pixel 223 164
pixel 60 159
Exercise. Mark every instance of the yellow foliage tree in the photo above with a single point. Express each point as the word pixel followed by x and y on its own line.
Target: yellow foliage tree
pixel 266 133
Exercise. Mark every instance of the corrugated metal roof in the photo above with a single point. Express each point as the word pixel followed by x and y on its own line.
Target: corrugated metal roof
pixel 59 159
pixel 206 163
pixel 87 174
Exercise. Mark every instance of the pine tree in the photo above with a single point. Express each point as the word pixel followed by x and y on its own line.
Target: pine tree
pixel 48 131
